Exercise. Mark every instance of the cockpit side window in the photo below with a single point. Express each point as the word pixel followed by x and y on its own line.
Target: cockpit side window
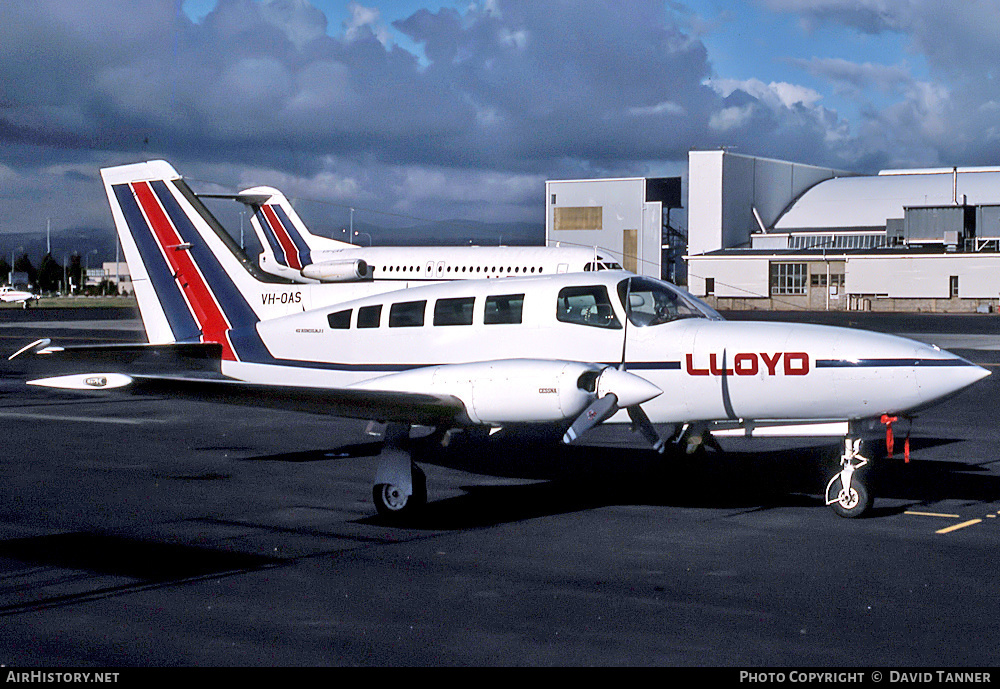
pixel 652 302
pixel 587 306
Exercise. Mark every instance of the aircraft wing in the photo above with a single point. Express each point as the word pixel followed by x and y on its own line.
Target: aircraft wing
pixel 378 405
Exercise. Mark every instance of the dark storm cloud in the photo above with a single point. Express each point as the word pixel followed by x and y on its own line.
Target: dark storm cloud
pixel 503 96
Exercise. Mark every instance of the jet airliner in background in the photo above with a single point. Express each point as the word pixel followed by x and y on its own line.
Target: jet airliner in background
pixel 571 350
pixel 291 251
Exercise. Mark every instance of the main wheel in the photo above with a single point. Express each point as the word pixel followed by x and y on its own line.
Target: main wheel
pixel 391 501
pixel 856 502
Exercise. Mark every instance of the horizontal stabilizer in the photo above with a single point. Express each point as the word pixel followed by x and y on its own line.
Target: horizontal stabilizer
pixel 176 356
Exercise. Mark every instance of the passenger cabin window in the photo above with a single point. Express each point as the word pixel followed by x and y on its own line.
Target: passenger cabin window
pixel 369 316
pixel 340 320
pixel 587 306
pixel 407 314
pixel 503 308
pixel 652 302
pixel 454 311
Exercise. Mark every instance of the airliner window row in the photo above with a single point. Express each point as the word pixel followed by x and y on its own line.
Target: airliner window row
pixel 497 270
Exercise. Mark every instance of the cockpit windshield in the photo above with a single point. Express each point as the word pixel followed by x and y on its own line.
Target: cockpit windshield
pixel 652 302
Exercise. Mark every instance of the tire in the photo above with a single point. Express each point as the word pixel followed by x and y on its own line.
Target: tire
pixel 857 503
pixel 390 501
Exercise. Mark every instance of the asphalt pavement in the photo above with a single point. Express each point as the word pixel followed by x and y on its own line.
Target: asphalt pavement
pixel 156 533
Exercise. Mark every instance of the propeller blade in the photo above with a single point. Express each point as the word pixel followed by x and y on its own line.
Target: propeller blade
pixel 642 424
pixel 599 411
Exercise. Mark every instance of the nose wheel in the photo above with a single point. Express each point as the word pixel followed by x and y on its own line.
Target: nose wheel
pixel 847 492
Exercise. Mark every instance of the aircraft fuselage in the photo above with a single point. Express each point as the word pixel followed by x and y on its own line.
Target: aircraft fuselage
pixel 708 369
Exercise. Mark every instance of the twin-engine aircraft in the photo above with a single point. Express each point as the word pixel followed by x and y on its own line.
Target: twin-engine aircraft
pixel 571 350
pixel 291 251
pixel 10 294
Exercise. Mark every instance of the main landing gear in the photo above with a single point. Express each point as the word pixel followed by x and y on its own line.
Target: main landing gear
pixel 848 492
pixel 400 487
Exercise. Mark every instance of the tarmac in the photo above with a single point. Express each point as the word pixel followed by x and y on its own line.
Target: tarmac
pixel 160 533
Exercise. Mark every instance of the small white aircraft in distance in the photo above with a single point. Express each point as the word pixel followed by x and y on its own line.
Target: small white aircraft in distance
pixel 291 251
pixel 9 294
pixel 571 350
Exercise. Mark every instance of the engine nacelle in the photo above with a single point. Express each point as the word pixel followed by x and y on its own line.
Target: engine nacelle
pixel 345 270
pixel 506 391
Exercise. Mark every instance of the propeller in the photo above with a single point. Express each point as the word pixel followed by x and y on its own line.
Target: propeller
pixel 617 389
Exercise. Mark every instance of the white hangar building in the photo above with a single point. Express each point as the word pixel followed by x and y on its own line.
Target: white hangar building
pixel 773 234
pixel 629 218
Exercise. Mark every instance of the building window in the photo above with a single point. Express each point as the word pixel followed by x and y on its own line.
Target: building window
pixel 584 218
pixel 953 286
pixel 709 286
pixel 788 278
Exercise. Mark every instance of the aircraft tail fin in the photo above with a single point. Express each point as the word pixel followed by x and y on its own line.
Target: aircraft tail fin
pixel 283 236
pixel 191 280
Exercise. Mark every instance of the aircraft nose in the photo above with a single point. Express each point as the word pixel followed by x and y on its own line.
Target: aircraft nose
pixel 946 374
pixel 895 374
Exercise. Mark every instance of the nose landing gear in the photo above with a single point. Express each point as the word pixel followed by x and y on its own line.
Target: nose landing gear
pixel 847 492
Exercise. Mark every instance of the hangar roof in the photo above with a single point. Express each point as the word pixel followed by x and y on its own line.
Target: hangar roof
pixel 866 202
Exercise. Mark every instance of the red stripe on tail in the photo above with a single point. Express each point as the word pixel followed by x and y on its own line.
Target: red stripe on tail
pixel 206 310
pixel 287 245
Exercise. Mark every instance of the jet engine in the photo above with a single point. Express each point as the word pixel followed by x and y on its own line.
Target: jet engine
pixel 345 270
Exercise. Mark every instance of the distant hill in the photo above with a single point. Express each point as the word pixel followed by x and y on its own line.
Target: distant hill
pixel 94 245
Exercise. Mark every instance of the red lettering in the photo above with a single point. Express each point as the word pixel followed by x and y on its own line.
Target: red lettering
pixel 692 371
pixel 746 364
pixel 771 362
pixel 716 371
pixel 803 363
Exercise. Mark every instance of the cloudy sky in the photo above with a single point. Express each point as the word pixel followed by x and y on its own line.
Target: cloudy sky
pixel 461 110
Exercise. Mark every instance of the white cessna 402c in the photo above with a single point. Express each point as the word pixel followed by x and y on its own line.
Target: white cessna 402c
pixel 571 350
pixel 291 251
pixel 11 294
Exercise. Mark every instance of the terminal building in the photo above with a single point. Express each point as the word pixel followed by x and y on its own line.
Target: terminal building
pixel 772 234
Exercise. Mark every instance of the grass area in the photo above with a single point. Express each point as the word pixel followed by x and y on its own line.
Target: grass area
pixel 75 302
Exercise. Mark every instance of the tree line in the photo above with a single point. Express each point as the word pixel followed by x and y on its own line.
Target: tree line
pixel 50 276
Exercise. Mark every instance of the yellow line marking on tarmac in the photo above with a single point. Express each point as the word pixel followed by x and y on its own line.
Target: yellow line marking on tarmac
pixel 931 514
pixel 956 527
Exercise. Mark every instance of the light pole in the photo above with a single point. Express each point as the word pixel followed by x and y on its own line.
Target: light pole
pixel 357 232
